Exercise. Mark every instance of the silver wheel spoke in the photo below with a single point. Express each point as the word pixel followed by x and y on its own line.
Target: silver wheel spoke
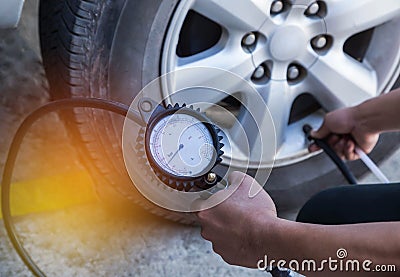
pixel 297 48
pixel 296 13
pixel 301 2
pixel 229 59
pixel 277 96
pixel 342 81
pixel 242 15
pixel 279 101
pixel 279 71
pixel 315 27
pixel 346 18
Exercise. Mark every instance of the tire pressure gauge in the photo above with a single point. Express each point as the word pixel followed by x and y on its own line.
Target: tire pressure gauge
pixel 181 145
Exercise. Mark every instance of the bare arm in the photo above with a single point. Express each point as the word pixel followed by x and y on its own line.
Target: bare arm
pixel 360 125
pixel 243 230
pixel 380 114
pixel 377 242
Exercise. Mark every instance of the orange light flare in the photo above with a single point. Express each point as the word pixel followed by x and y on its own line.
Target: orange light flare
pixel 56 209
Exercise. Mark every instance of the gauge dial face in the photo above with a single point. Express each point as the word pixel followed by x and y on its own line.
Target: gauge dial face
pixel 182 145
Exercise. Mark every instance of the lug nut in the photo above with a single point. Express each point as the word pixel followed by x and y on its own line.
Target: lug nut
pixel 313 9
pixel 249 39
pixel 277 7
pixel 319 42
pixel 293 72
pixel 259 73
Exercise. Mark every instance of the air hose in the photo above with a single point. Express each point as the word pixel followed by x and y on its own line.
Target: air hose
pixel 101 104
pixel 332 155
pixel 116 108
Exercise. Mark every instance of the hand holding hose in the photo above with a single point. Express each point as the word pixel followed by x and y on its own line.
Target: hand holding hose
pixel 344 130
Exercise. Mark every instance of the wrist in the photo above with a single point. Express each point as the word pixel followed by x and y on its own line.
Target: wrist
pixel 357 117
pixel 274 236
pixel 365 116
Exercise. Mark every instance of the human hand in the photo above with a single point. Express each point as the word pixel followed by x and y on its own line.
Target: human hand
pixel 344 132
pixel 237 226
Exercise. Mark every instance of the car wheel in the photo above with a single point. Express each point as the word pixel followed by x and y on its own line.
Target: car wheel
pixel 304 57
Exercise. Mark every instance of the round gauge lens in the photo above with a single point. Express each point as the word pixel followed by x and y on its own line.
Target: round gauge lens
pixel 182 145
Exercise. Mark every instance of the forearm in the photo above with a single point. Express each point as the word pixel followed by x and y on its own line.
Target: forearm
pixel 380 114
pixel 379 243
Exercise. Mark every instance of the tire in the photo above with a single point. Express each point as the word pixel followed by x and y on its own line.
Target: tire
pixel 76 39
pixel 111 49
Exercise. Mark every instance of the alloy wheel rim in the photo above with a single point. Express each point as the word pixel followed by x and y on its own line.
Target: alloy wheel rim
pixel 288 49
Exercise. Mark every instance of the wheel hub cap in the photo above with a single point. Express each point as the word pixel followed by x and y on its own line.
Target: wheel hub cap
pixel 287 43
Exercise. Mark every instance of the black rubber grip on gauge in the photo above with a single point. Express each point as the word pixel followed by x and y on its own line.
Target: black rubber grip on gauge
pixel 321 143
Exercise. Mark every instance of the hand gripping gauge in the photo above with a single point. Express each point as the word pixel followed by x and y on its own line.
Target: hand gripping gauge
pixel 181 145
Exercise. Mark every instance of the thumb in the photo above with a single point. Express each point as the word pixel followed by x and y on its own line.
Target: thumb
pixel 245 182
pixel 236 178
pixel 322 132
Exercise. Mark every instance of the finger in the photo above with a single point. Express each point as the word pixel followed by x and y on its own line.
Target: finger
pixel 333 139
pixel 313 148
pixel 349 150
pixel 339 148
pixel 322 132
pixel 245 183
pixel 237 178
pixel 242 181
pixel 196 206
pixel 201 215
pixel 368 144
pixel 212 200
pixel 203 204
pixel 204 234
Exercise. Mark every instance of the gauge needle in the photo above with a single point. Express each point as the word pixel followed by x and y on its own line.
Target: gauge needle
pixel 177 151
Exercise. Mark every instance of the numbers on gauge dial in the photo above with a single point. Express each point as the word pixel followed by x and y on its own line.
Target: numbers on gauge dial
pixel 182 145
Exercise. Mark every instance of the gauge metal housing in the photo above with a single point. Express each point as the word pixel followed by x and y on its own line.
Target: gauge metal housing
pixel 181 183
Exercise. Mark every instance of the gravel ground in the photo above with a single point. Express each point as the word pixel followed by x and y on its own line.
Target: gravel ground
pixel 89 240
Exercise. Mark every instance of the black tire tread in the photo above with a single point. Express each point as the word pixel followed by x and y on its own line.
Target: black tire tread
pixel 67 32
